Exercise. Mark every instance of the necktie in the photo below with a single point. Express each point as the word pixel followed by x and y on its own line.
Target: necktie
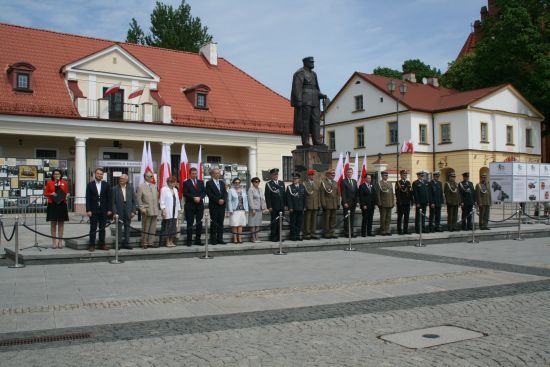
pixel 195 183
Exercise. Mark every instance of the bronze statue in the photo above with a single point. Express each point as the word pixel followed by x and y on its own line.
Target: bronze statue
pixel 305 98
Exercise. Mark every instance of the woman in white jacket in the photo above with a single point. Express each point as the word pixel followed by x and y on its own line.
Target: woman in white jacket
pixel 170 207
pixel 237 206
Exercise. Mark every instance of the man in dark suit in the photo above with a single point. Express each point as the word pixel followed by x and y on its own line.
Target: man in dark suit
pixel 467 196
pixel 217 198
pixel 98 207
pixel 403 199
pixel 367 202
pixel 350 195
pixel 436 201
pixel 125 205
pixel 194 193
pixel 275 202
pixel 421 196
pixel 296 202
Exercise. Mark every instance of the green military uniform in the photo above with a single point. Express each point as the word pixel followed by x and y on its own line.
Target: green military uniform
pixel 483 201
pixel 329 197
pixel 385 202
pixel 313 203
pixel 452 198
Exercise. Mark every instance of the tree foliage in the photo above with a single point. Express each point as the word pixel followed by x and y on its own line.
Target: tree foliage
pixel 171 28
pixel 416 66
pixel 387 72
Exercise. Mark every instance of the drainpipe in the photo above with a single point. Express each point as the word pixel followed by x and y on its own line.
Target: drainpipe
pixel 433 142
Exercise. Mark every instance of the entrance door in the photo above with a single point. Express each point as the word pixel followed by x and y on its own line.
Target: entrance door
pixel 116 104
pixel 114 173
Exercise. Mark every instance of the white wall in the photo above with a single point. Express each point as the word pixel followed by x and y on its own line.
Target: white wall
pixel 505 100
pixel 459 130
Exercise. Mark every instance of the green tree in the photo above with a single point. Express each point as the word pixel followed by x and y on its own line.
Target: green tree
pixel 421 69
pixel 171 28
pixel 387 72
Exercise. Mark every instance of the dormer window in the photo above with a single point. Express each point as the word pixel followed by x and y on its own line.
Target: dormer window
pixel 198 96
pixel 20 76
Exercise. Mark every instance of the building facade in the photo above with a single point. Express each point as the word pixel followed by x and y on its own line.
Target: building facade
pixel 450 130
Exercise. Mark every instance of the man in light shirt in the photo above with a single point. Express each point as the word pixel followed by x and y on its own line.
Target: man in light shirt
pixel 125 205
pixel 147 198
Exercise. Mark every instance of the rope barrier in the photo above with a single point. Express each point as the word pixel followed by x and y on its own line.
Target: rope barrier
pixel 66 238
pixel 535 218
pixel 4 232
pixel 504 220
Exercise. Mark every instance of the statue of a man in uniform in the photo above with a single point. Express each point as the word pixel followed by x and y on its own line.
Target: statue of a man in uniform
pixel 305 98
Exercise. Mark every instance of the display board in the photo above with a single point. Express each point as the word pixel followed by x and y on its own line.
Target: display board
pixel 519 182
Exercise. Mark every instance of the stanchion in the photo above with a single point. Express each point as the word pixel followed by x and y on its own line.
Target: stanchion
pixel 16 265
pixel 2 254
pixel 116 260
pixel 519 238
pixel 472 214
pixel 349 248
pixel 419 243
pixel 36 245
pixel 280 219
pixel 206 223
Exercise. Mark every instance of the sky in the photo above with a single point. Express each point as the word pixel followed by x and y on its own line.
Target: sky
pixel 268 39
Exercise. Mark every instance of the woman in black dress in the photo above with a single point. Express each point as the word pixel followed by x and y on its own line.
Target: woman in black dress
pixel 57 191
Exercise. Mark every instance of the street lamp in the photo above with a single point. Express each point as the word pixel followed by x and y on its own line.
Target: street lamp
pixel 392 86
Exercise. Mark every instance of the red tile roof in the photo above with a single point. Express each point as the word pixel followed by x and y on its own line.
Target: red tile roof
pixel 236 101
pixel 427 98
pixel 469 45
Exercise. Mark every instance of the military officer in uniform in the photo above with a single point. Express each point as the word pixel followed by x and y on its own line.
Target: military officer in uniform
pixel 436 201
pixel 421 195
pixel 466 190
pixel 452 198
pixel 275 202
pixel 350 198
pixel 404 199
pixel 385 202
pixel 296 203
pixel 367 202
pixel 313 203
pixel 483 201
pixel 328 192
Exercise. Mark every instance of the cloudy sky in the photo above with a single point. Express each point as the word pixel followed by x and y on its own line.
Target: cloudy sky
pixel 268 39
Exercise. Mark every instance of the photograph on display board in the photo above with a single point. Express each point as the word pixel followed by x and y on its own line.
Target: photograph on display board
pixel 544 170
pixel 533 170
pixel 501 189
pixel 500 169
pixel 28 173
pixel 520 169
pixel 533 190
pixel 544 184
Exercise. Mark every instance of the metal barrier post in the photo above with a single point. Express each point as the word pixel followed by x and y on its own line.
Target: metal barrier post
pixel 349 248
pixel 36 245
pixel 116 260
pixel 419 243
pixel 280 219
pixel 16 265
pixel 472 213
pixel 519 238
pixel 206 223
pixel 2 254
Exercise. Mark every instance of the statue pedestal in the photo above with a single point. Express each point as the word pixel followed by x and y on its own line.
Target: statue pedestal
pixel 316 157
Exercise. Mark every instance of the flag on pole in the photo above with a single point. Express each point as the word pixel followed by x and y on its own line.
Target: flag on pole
pixel 199 163
pixel 363 170
pixel 112 89
pixel 149 167
pixel 346 166
pixel 138 92
pixel 184 169
pixel 165 169
pixel 356 168
pixel 143 166
pixel 339 169
pixel 407 147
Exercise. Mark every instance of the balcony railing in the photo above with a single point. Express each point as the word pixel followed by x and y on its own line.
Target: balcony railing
pixel 102 109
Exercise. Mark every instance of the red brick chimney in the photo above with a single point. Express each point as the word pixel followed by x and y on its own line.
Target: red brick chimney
pixel 484 13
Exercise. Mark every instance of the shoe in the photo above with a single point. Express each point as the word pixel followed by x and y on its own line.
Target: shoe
pixel 222 243
pixel 60 244
pixel 103 247
pixel 91 248
pixel 126 247
pixel 188 243
pixel 315 237
pixel 198 243
pixel 334 236
pixel 371 235
pixel 213 243
pixel 307 237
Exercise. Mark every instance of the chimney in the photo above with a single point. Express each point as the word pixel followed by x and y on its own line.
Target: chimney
pixel 434 82
pixel 477 27
pixel 484 13
pixel 411 77
pixel 210 52
pixel 492 7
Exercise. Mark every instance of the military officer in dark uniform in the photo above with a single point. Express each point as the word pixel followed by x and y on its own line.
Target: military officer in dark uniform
pixel 350 197
pixel 466 190
pixel 483 201
pixel 421 196
pixel 305 98
pixel 452 198
pixel 275 202
pixel 404 199
pixel 436 201
pixel 296 203
pixel 367 202
pixel 385 201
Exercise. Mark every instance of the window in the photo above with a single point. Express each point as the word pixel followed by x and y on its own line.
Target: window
pixel 287 168
pixel 20 76
pixel 484 132
pixel 46 154
pixel 359 103
pixel 392 128
pixel 331 137
pixel 423 134
pixel 201 100
pixel 22 81
pixel 445 133
pixel 509 135
pixel 529 138
pixel 115 155
pixel 213 159
pixel 360 137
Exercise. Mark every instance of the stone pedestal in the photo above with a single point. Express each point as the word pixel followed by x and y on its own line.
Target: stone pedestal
pixel 316 157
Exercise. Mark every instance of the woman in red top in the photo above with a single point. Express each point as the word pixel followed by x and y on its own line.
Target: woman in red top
pixel 57 191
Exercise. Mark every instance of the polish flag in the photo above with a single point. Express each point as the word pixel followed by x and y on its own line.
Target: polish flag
pixel 149 167
pixel 339 169
pixel 184 169
pixel 143 167
pixel 407 147
pixel 138 92
pixel 356 168
pixel 165 170
pixel 112 89
pixel 346 166
pixel 199 163
pixel 364 170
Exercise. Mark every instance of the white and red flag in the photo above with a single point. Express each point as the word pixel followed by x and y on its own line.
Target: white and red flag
pixel 356 168
pixel 407 147
pixel 150 162
pixel 339 169
pixel 138 92
pixel 184 169
pixel 199 164
pixel 363 170
pixel 112 89
pixel 346 166
pixel 143 167
pixel 165 169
